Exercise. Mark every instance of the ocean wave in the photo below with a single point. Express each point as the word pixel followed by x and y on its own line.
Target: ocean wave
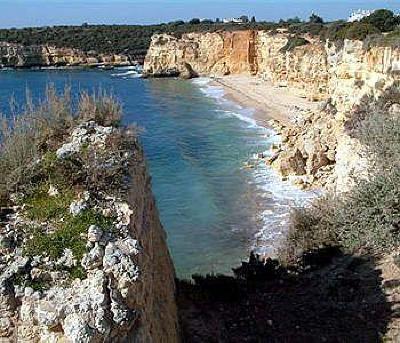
pixel 281 198
pixel 276 197
pixel 126 68
pixel 231 108
pixel 130 73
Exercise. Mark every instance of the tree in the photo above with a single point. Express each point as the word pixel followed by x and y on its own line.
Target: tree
pixel 176 23
pixel 295 20
pixel 244 18
pixel 207 21
pixel 383 20
pixel 360 31
pixel 315 19
pixel 253 19
pixel 195 21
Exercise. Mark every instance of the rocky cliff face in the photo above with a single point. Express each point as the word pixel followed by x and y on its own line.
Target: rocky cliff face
pixel 15 55
pixel 347 78
pixel 202 54
pixel 87 263
pixel 350 80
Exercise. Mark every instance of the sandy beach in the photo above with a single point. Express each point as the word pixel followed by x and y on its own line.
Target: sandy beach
pixel 268 101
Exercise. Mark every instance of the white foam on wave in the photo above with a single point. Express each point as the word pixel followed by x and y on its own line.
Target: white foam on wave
pixel 127 68
pixel 209 90
pixel 277 197
pixel 280 198
pixel 130 73
pixel 218 94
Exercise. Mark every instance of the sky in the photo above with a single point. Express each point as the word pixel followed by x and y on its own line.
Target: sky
pixel 23 13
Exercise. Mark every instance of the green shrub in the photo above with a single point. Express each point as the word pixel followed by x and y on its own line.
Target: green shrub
pixel 359 31
pixel 315 19
pixel 69 234
pixel 42 207
pixel 314 29
pixel 293 43
pixel 384 20
pixel 311 228
pixel 353 31
pixel 24 279
pixel 77 272
pixel 367 218
pixel 391 39
pixel 334 31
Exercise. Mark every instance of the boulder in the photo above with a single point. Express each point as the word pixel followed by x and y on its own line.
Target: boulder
pixel 187 72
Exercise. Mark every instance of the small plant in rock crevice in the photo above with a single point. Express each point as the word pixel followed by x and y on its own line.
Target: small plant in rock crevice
pixel 40 206
pixel 69 234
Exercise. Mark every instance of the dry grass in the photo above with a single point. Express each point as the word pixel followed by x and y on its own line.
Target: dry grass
pixel 25 135
pixel 38 128
pixel 100 107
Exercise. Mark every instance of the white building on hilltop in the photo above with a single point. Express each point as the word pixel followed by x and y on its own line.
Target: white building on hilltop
pixel 358 15
pixel 241 20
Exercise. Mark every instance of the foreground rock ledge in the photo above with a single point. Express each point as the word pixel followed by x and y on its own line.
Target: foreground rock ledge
pixel 122 287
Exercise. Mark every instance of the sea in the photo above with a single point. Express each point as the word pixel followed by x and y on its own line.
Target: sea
pixel 217 200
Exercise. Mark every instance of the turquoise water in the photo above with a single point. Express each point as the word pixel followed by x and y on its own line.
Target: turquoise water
pixel 196 142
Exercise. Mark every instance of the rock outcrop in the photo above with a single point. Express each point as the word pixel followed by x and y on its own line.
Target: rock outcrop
pixel 87 262
pixel 19 56
pixel 218 53
pixel 346 78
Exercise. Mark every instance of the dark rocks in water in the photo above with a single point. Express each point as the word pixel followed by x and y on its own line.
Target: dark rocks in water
pixel 187 72
pixel 164 74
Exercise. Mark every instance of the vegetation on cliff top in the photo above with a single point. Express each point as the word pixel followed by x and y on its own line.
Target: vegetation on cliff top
pixel 36 130
pixel 134 40
pixel 378 24
pixel 45 186
pixel 294 42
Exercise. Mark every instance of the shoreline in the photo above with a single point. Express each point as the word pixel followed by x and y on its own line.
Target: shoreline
pixel 268 101
pixel 275 195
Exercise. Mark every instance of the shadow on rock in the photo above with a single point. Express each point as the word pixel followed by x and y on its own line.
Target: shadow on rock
pixel 330 297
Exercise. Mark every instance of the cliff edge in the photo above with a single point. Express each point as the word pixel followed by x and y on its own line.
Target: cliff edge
pixel 83 256
pixel 20 56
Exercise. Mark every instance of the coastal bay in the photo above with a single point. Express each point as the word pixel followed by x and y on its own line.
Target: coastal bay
pixel 197 145
pixel 201 181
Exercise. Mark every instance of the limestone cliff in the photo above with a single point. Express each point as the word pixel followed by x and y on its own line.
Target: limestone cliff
pixel 87 263
pixel 19 56
pixel 347 78
pixel 202 53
